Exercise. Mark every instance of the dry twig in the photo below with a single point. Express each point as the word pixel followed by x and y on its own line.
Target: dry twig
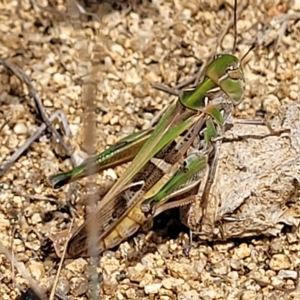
pixel 42 115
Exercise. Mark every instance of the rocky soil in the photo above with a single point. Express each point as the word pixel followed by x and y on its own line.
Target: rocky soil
pixel 126 47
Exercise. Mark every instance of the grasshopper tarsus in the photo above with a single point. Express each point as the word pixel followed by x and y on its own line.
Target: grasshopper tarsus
pixel 187 247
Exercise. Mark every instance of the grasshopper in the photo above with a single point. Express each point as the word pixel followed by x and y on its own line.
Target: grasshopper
pixel 170 163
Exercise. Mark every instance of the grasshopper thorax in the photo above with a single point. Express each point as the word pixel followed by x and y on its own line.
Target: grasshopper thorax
pixel 226 71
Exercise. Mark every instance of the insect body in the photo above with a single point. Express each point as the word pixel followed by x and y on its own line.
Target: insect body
pixel 168 161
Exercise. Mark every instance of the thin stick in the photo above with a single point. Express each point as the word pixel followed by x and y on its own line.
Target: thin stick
pixel 13 254
pixel 202 69
pixel 26 144
pixel 157 116
pixel 52 294
pixel 165 89
pixel 196 77
pixel 286 291
pixel 88 100
pixel 41 113
pixel 38 197
pixel 239 138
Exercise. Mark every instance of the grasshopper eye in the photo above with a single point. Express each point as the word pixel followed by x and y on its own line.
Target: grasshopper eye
pixel 233 72
pixel 231 67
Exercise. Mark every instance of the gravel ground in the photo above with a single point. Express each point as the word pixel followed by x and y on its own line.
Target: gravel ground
pixel 136 44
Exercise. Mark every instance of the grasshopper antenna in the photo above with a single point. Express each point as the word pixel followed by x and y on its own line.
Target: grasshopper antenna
pixel 234 26
pixel 235 33
pixel 248 51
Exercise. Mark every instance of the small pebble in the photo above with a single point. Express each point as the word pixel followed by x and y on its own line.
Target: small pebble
pixel 20 128
pixel 63 285
pixel 243 251
pixel 78 286
pixel 36 218
pixel 285 274
pixel 37 270
pixel 137 272
pixel 152 288
pixel 189 295
pixel 279 262
pixel 77 266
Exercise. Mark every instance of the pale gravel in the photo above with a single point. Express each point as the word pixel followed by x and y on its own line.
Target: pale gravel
pixel 162 41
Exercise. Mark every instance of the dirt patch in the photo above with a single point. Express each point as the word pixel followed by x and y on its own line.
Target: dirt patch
pixel 131 46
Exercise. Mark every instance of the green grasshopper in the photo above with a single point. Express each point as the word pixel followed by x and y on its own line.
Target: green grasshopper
pixel 169 163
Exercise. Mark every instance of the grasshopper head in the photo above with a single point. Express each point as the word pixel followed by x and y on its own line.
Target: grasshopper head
pixel 225 70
